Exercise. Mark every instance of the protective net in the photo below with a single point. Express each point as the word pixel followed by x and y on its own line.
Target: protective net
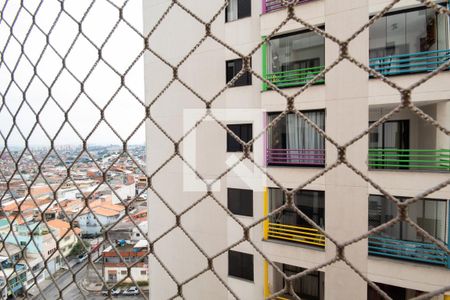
pixel 69 74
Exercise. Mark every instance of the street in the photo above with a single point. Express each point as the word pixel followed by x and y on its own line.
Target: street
pixel 72 292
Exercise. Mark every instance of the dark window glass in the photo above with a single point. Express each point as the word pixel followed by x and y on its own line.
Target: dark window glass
pixel 243 131
pixel 312 203
pixel 233 67
pixel 240 265
pixel 238 9
pixel 391 135
pixel 240 202
pixel 307 287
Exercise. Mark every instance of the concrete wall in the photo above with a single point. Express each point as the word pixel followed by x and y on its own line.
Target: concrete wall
pixel 350 100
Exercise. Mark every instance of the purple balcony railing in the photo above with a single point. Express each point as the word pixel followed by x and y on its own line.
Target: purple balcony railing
pixel 297 157
pixel 271 5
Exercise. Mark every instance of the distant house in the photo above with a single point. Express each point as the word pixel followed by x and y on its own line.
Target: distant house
pixel 13 273
pixel 67 237
pixel 100 215
pixel 115 266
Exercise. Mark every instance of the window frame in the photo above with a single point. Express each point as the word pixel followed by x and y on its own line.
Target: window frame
pixel 241 197
pixel 244 80
pixel 232 144
pixel 240 273
pixel 240 15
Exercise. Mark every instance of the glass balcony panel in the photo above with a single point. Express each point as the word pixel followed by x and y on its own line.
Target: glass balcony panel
pixel 294 59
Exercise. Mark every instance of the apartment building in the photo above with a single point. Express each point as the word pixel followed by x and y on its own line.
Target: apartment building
pixel 405 155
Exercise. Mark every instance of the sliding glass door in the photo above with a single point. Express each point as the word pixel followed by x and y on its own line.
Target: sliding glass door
pixel 391 139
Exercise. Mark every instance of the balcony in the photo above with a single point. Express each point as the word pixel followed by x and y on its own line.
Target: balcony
pixel 406 142
pixel 410 41
pixel 296 157
pixel 293 60
pixel 401 241
pixel 291 141
pixel 273 5
pixel 410 63
pixel 407 250
pixel 287 225
pixel 410 159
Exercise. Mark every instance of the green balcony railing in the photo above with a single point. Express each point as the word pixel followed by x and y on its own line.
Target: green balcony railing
pixel 415 159
pixel 294 77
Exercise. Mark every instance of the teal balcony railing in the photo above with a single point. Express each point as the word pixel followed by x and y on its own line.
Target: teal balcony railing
pixel 294 77
pixel 410 159
pixel 414 251
pixel 410 63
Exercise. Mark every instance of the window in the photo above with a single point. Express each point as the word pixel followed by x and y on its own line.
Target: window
pixel 312 203
pixel 233 68
pixel 144 272
pixel 123 272
pixel 413 31
pixel 430 214
pixel 238 9
pixel 243 131
pixel 390 134
pixel 240 265
pixel 240 202
pixel 307 287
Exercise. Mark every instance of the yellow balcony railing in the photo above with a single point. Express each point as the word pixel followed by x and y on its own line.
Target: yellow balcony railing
pixel 305 235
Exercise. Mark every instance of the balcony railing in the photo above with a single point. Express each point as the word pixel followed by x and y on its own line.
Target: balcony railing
pixel 415 251
pixel 272 5
pixel 410 63
pixel 291 233
pixel 294 77
pixel 410 159
pixel 309 157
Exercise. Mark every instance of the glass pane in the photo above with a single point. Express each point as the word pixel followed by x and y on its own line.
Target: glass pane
pixel 232 10
pixel 304 50
pixel 277 133
pixel 312 203
pixel 416 32
pixel 442 31
pixel 396 32
pixel 382 210
pixel 392 135
pixel 377 41
pixel 415 212
pixel 375 140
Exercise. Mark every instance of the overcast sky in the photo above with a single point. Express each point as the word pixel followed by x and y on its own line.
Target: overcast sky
pixel 120 51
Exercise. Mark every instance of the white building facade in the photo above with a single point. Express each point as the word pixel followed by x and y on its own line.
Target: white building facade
pixel 405 155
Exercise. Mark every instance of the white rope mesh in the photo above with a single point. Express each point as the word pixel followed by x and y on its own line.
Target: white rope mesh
pixel 15 97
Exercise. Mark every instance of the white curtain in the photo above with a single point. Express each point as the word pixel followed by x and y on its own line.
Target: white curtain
pixel 301 135
pixel 232 10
